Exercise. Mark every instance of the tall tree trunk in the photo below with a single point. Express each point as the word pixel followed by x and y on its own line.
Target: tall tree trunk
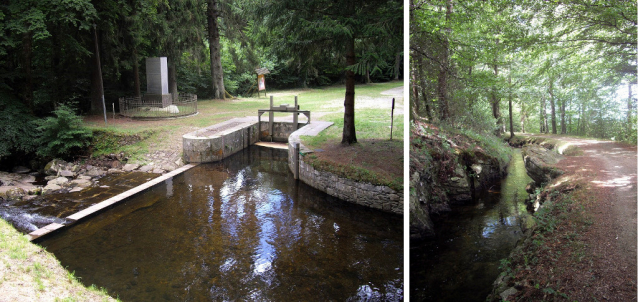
pixel 349 135
pixel 424 90
pixel 553 106
pixel 523 116
pixel 172 78
pixel 563 124
pixel 444 66
pixel 509 81
pixel 496 105
pixel 580 116
pixel 216 72
pixel 629 109
pixel 397 65
pixel 27 52
pixel 543 115
pixel 136 74
pixel 415 93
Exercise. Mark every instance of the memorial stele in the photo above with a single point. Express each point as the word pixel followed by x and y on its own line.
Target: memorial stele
pixel 157 81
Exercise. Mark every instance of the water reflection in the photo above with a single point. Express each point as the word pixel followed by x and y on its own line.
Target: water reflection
pixel 239 230
pixel 462 261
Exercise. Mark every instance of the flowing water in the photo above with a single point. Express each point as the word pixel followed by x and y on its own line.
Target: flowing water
pixel 461 262
pixel 30 214
pixel 242 229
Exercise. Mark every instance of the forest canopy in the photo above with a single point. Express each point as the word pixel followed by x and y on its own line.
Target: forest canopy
pixel 564 67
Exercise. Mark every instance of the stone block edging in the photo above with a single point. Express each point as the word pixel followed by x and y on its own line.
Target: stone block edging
pixel 366 194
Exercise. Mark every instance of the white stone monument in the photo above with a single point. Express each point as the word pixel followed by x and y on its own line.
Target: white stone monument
pixel 157 81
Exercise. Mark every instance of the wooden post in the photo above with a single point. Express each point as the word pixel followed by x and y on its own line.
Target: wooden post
pixel 295 116
pixel 271 117
pixel 392 119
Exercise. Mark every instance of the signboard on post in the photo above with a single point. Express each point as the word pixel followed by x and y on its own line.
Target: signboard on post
pixel 261 80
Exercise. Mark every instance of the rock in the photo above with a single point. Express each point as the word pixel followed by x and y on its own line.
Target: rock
pixel 95 172
pixel 50 188
pixel 168 167
pixel 52 177
pixel 114 171
pixel 67 173
pixel 130 167
pixel 76 189
pixel 146 168
pixel 179 162
pixel 58 181
pixel 508 292
pixel 539 163
pixel 54 166
pixel 420 223
pixel 82 182
pixel 84 177
pixel 21 170
pixel 458 186
pixel 35 191
pixel 15 193
pixel 158 171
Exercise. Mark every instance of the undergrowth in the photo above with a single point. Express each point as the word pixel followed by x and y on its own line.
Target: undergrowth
pixel 540 267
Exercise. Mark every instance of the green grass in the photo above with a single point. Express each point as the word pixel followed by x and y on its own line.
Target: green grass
pixel 18 254
pixel 369 123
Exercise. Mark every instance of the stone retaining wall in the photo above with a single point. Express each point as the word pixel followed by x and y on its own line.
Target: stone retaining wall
pixel 219 145
pixel 378 197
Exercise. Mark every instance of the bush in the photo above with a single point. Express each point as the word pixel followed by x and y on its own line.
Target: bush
pixel 62 135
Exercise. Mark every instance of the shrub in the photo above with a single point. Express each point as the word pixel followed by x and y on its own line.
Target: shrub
pixel 62 135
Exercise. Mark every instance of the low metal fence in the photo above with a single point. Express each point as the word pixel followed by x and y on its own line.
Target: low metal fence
pixel 144 107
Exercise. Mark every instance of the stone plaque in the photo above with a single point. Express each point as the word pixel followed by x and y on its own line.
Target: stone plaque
pixel 156 75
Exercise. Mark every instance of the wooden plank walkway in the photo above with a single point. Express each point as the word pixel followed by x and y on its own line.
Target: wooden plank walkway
pixel 106 203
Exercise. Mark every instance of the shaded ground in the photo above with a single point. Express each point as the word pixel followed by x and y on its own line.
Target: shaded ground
pixel 590 254
pixel 382 157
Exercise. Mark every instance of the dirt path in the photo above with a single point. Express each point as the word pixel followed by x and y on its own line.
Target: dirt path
pixel 608 170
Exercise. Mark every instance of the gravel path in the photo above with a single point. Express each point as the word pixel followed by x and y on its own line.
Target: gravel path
pixel 609 170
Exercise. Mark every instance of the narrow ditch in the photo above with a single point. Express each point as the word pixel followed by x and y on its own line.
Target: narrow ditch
pixel 461 261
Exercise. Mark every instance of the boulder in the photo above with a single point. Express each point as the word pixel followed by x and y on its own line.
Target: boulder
pixel 50 188
pixel 114 171
pixel 95 172
pixel 458 185
pixel 169 167
pixel 67 173
pixel 147 168
pixel 80 182
pixel 54 166
pixel 13 193
pixel 539 163
pixel 58 181
pixel 130 167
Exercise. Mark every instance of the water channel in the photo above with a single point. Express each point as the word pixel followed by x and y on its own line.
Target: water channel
pixel 242 229
pixel 461 262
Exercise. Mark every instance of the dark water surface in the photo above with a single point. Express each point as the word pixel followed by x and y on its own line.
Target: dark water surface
pixel 461 262
pixel 240 230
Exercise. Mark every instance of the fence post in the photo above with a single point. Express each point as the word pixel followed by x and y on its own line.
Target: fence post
pixel 392 119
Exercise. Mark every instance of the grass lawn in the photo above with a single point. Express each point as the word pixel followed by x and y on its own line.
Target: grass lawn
pixel 374 158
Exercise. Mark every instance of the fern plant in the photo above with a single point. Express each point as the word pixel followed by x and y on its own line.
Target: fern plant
pixel 62 135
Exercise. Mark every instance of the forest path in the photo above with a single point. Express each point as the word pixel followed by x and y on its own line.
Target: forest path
pixel 609 171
